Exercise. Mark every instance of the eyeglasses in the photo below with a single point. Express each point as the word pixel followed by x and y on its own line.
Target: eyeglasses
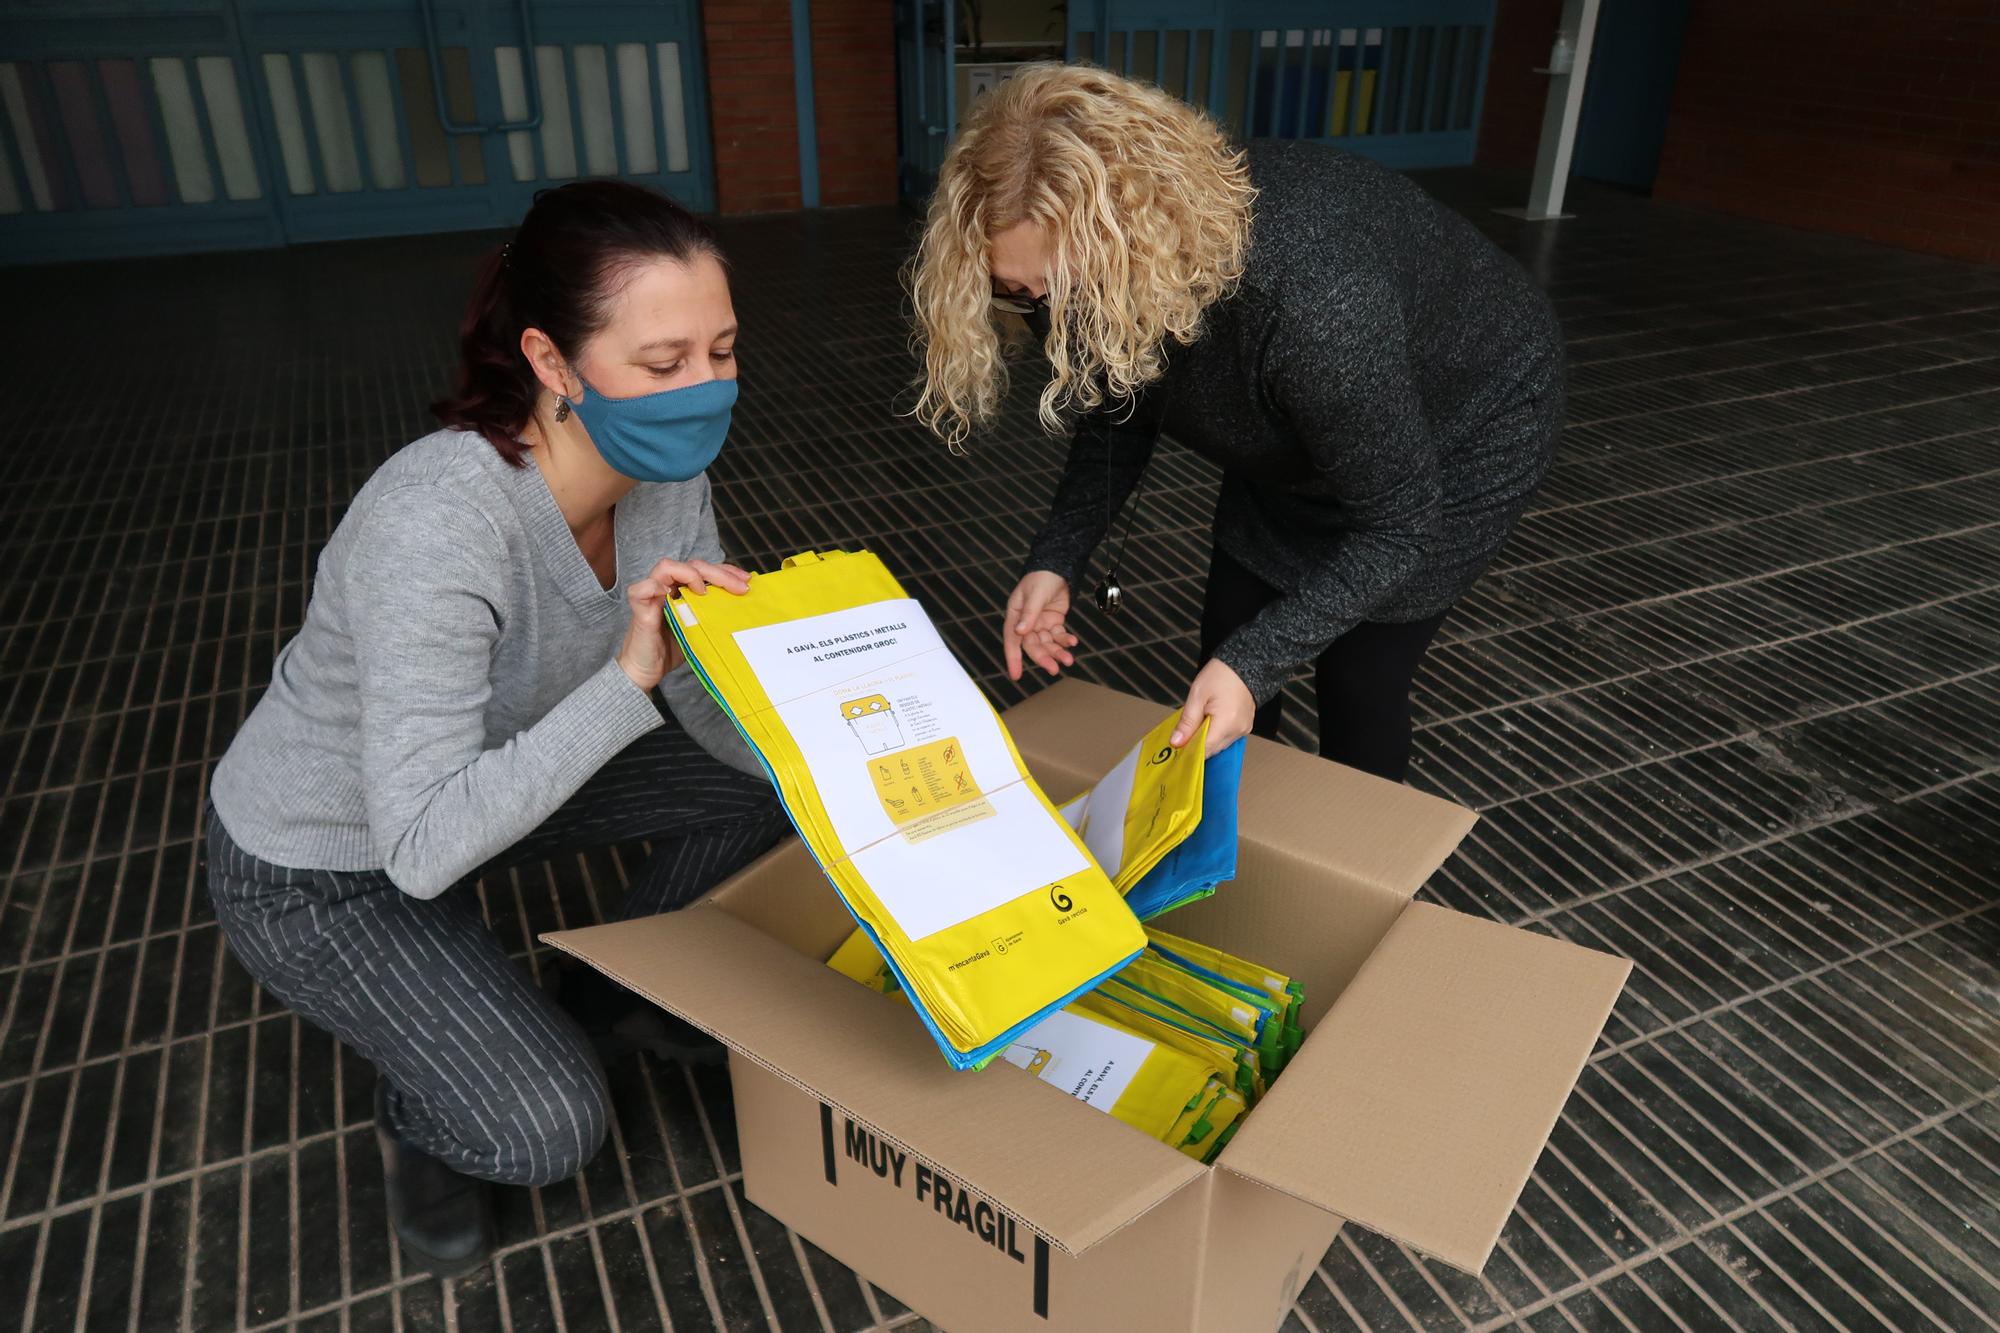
pixel 1018 303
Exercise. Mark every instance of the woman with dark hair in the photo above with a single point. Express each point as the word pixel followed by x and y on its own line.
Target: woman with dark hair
pixel 484 677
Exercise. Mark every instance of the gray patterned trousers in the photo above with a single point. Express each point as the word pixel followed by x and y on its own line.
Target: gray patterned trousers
pixel 489 1076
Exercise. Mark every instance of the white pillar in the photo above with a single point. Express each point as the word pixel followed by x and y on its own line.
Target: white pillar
pixel 1569 64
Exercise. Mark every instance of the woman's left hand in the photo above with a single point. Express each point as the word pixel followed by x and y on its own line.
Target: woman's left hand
pixel 1219 695
pixel 650 652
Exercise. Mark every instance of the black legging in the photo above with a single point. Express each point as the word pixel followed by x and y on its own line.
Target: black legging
pixel 1362 679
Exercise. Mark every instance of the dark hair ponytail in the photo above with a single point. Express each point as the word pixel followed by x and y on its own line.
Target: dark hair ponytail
pixel 558 274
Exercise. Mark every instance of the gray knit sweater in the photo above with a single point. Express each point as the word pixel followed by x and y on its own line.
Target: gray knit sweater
pixel 1382 394
pixel 455 682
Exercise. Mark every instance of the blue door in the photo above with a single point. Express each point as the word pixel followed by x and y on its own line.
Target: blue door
pixel 926 91
pixel 1635 58
pixel 243 123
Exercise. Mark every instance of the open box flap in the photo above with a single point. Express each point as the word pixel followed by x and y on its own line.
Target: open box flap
pixel 1381 833
pixel 1071 1174
pixel 1420 1102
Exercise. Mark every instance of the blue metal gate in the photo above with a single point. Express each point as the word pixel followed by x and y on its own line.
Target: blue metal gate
pixel 242 123
pixel 926 90
pixel 1401 81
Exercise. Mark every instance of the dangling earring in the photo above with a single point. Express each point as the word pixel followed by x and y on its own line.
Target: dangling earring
pixel 562 409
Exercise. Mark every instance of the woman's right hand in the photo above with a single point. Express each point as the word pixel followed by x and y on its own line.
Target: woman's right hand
pixel 649 651
pixel 1037 624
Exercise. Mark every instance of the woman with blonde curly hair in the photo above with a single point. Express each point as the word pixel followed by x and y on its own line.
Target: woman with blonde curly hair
pixel 1380 385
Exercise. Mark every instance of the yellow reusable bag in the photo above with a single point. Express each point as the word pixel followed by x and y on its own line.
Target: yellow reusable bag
pixel 903 782
pixel 1213 1050
pixel 1158 1078
pixel 1206 1045
pixel 1145 806
pixel 1225 968
pixel 1104 1064
pixel 1196 955
pixel 857 957
pixel 1242 1017
pixel 1227 1003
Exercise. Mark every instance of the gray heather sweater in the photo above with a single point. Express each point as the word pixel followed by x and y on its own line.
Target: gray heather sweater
pixel 455 680
pixel 1382 394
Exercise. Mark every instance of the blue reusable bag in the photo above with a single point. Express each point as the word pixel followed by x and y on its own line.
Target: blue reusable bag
pixel 1207 856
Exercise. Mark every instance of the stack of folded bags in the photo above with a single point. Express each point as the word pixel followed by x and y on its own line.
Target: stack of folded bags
pixel 1184 1039
pixel 944 865
pixel 1175 1038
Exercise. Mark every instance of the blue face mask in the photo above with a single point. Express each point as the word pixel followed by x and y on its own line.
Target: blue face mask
pixel 672 435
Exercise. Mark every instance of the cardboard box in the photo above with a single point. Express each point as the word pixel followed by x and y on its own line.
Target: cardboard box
pixel 1440 1049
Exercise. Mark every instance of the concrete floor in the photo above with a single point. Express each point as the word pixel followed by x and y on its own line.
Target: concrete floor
pixel 1727 704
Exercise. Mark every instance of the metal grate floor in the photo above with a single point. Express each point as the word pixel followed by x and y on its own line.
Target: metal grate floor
pixel 1730 705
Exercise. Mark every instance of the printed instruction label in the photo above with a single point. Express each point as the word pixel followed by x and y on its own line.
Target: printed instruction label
pixel 944 829
pixel 928 790
pixel 1092 1062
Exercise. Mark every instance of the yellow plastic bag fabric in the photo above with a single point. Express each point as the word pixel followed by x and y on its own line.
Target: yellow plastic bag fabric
pixel 1145 806
pixel 1154 1077
pixel 1103 1064
pixel 1117 990
pixel 1207 1045
pixel 1273 984
pixel 858 958
pixel 1210 1050
pixel 1225 968
pixel 905 786
pixel 1240 1015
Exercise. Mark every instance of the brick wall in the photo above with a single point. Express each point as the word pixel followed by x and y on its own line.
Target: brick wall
pixel 1510 124
pixel 854 99
pixel 1875 119
pixel 751 108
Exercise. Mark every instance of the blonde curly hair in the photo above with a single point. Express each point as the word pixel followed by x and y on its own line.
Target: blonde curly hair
pixel 1146 206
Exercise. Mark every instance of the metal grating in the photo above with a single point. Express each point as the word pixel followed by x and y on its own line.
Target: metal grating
pixel 1728 706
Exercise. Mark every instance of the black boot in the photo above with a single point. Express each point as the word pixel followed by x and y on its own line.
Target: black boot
pixel 444 1219
pixel 619 1022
